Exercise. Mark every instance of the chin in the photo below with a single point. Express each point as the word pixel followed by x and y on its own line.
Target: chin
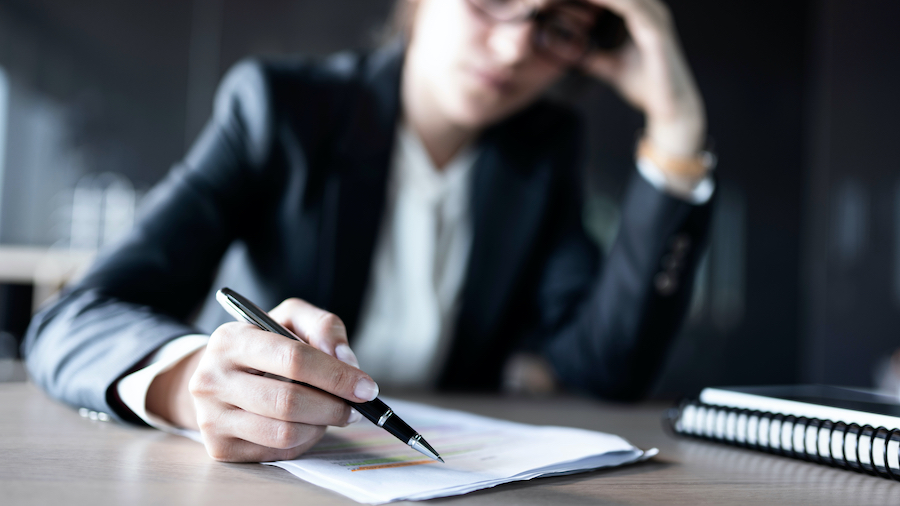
pixel 476 119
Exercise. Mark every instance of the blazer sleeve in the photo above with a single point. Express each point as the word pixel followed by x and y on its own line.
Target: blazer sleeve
pixel 609 334
pixel 139 294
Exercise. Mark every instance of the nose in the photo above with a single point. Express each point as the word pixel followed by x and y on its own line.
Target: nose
pixel 510 43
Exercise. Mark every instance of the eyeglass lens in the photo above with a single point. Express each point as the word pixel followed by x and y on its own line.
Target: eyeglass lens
pixel 563 30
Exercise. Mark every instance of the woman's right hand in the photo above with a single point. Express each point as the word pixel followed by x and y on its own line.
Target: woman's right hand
pixel 246 417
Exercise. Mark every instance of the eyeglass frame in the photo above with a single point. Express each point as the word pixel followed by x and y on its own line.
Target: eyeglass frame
pixel 607 32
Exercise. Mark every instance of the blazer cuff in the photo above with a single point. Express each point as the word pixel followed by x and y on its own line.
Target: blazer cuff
pixel 132 389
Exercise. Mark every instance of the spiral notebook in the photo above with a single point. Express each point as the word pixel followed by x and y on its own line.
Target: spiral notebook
pixel 847 428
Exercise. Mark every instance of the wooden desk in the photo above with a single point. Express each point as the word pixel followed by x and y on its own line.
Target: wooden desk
pixel 51 455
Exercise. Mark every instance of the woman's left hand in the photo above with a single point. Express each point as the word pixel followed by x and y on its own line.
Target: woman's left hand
pixel 651 73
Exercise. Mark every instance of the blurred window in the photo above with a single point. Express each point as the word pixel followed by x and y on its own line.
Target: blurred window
pixel 4 114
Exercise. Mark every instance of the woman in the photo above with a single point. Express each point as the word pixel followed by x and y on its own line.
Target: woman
pixel 425 197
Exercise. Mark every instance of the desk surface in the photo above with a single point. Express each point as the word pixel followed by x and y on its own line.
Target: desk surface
pixel 51 455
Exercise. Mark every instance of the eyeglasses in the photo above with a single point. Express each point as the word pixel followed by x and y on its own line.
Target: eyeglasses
pixel 565 31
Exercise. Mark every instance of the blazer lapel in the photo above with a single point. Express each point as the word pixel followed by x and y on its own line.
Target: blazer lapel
pixel 511 187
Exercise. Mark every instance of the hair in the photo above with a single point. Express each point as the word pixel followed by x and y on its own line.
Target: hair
pixel 399 23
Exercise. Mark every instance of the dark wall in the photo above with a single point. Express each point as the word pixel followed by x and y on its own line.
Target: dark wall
pixel 853 193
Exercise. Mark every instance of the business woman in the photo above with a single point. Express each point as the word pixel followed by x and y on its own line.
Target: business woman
pixel 421 204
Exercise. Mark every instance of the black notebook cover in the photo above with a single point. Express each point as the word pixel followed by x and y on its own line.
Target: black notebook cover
pixel 842 427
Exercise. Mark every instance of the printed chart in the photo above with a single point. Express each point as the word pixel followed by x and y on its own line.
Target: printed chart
pixel 369 465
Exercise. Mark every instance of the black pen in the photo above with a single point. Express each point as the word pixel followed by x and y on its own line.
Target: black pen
pixel 375 410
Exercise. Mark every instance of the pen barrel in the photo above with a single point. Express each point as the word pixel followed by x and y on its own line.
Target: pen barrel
pixel 375 409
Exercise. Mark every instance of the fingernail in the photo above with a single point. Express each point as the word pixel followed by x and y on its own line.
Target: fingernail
pixel 346 355
pixel 366 389
pixel 354 416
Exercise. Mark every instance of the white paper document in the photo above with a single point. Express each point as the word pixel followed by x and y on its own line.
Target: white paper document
pixel 365 463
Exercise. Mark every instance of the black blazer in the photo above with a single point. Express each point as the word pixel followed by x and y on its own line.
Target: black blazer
pixel 291 174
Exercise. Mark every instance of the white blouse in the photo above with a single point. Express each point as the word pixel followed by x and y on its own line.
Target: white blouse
pixel 418 266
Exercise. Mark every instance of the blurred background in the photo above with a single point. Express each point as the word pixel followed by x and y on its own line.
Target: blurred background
pixel 98 98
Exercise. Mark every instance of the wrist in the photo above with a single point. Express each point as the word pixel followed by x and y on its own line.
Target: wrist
pixel 683 170
pixel 681 138
pixel 168 396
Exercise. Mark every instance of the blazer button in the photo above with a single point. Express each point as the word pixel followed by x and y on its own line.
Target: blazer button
pixel 672 262
pixel 680 244
pixel 666 284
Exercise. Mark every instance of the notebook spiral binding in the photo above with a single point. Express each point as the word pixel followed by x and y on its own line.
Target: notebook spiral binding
pixel 864 449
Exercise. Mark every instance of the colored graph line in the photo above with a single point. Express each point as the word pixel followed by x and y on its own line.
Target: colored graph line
pixel 396 464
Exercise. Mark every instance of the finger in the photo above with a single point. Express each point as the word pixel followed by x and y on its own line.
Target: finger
pixel 248 347
pixel 232 449
pixel 316 326
pixel 289 402
pixel 238 450
pixel 646 20
pixel 253 428
pixel 283 314
pixel 606 65
pixel 638 10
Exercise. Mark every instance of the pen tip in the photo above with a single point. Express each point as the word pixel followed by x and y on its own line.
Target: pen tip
pixel 442 460
pixel 422 446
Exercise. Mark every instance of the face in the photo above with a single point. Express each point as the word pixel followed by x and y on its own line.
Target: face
pixel 472 69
